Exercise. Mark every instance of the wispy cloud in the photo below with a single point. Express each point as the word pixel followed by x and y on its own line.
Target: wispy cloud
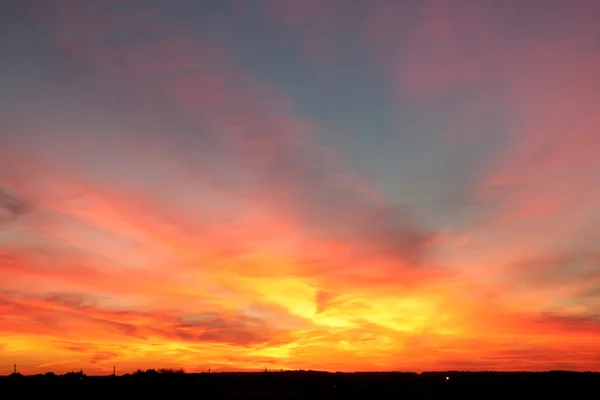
pixel 11 207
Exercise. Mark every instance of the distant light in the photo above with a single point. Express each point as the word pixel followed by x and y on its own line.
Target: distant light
pixel 447 378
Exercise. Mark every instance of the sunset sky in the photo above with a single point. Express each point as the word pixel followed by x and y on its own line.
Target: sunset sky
pixel 315 184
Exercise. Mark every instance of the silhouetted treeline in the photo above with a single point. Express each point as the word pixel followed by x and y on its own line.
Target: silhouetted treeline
pixel 177 384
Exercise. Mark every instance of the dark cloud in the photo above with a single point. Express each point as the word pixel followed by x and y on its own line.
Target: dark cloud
pixel 73 300
pixel 11 206
pixel 371 231
pixel 570 323
pixel 394 232
pixel 50 311
pixel 121 327
pixel 216 321
pixel 243 337
pixel 323 299
pixel 528 355
pixel 581 268
pixel 592 293
pixel 104 356
pixel 215 327
pixel 78 349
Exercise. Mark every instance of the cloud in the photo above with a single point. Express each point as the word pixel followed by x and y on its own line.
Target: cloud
pixel 495 83
pixel 53 314
pixel 11 206
pixel 558 270
pixel 101 357
pixel 583 323
pixel 78 349
pixel 318 26
pixel 322 300
pixel 287 174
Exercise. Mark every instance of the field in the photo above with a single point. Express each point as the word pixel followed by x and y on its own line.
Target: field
pixel 306 385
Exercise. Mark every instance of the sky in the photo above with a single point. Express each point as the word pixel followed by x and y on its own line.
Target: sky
pixel 337 185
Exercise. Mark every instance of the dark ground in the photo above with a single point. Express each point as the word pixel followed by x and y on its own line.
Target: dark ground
pixel 307 385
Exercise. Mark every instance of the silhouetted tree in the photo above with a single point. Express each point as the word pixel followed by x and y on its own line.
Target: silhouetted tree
pixel 75 375
pixel 171 371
